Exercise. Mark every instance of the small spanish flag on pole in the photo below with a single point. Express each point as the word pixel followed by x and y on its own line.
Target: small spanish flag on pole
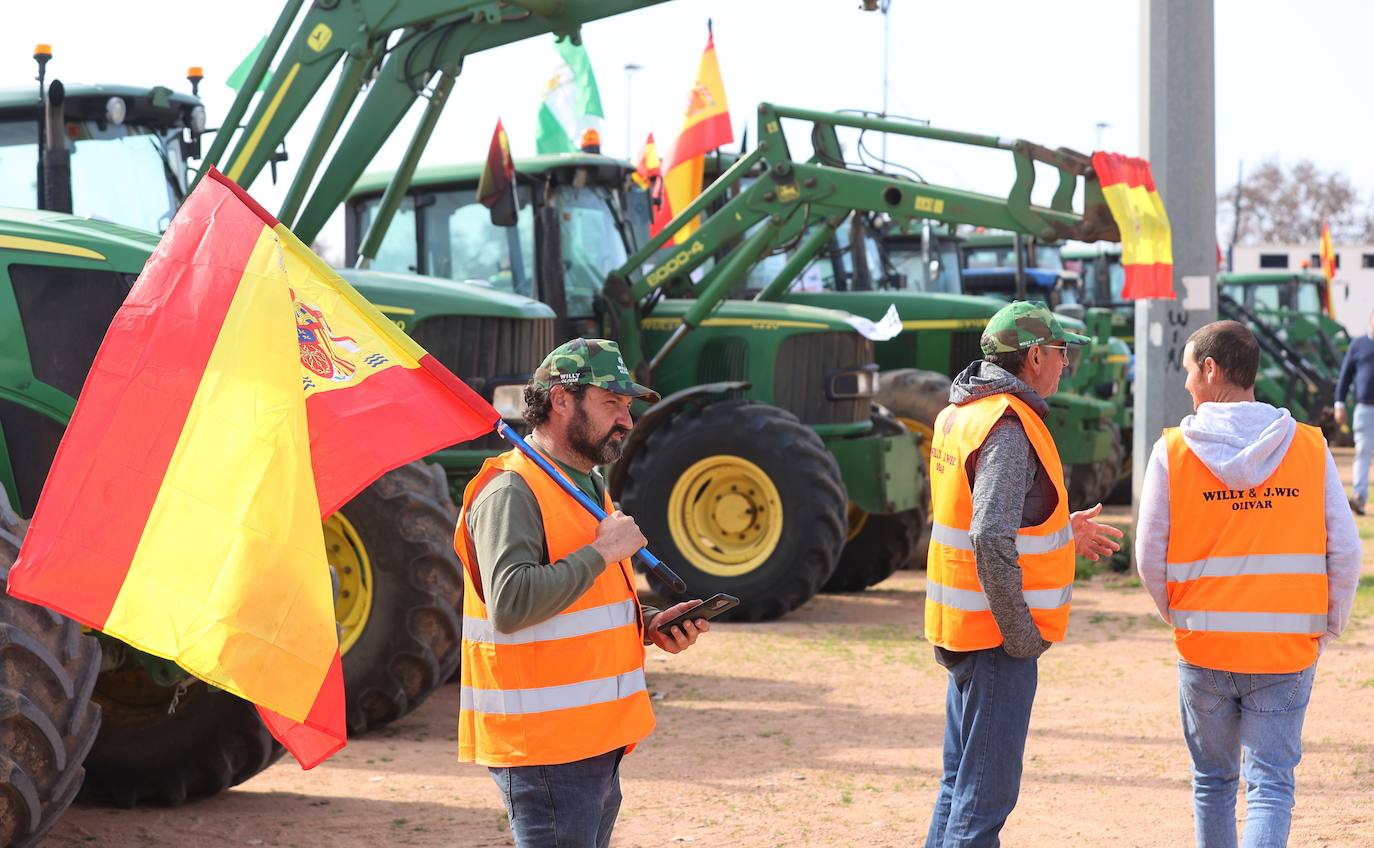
pixel 705 127
pixel 1146 243
pixel 1328 254
pixel 496 185
pixel 242 393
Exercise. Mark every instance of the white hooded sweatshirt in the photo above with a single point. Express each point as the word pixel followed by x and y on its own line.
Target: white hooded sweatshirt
pixel 1243 443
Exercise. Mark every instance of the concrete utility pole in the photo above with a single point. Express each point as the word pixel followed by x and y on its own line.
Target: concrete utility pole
pixel 1178 136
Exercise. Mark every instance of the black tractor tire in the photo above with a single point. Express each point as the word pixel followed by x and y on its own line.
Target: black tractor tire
pixel 918 396
pixel 796 462
pixel 47 721
pixel 411 643
pixel 883 543
pixel 167 745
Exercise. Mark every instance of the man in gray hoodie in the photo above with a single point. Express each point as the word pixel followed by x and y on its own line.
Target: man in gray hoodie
pixel 1000 571
pixel 1248 548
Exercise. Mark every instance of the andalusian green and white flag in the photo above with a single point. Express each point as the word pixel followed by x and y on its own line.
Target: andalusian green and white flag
pixel 572 104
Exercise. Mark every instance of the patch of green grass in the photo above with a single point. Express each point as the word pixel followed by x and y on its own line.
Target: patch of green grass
pixel 1366 530
pixel 1085 569
pixel 846 797
pixel 399 822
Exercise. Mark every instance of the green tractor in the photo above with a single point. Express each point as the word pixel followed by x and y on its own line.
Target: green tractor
pixel 1301 345
pixel 875 258
pixel 118 156
pixel 760 470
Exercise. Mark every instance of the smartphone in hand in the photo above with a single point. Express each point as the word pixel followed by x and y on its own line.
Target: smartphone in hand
pixel 704 611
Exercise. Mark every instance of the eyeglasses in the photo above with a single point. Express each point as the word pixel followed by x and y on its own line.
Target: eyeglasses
pixel 1064 349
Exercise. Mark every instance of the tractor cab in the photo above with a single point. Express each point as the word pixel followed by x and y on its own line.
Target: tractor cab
pixel 442 230
pixel 111 152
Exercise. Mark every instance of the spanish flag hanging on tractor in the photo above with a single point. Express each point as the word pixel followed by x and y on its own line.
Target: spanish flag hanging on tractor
pixel 1147 253
pixel 243 392
pixel 705 127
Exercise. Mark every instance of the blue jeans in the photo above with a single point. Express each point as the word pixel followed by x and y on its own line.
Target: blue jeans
pixel 572 805
pixel 987 716
pixel 1363 425
pixel 1225 712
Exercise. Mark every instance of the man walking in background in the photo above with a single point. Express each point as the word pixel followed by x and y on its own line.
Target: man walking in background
pixel 553 691
pixel 1001 564
pixel 1357 370
pixel 1248 548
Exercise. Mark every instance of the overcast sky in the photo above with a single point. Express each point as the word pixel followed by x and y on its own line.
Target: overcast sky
pixel 1293 79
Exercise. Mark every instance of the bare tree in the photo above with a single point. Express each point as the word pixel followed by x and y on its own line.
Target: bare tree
pixel 1281 204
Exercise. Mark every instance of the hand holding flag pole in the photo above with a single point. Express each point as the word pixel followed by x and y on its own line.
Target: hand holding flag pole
pixel 654 564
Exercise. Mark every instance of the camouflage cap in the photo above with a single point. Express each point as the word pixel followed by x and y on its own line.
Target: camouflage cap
pixel 590 362
pixel 1021 324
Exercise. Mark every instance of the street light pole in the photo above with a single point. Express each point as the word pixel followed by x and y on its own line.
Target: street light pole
pixel 630 69
pixel 883 8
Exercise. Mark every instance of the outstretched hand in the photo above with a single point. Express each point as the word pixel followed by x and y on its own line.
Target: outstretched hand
pixel 1093 539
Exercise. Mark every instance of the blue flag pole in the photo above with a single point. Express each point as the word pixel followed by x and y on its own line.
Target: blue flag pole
pixel 651 562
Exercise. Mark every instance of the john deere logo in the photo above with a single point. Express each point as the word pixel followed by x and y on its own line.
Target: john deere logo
pixel 319 37
pixel 666 270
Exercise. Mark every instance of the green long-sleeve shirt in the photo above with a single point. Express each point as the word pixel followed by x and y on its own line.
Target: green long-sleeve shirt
pixel 520 587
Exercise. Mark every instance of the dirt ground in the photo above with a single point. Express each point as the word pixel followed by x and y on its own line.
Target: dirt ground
pixel 825 729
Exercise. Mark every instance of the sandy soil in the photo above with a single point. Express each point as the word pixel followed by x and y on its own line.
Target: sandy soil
pixel 824 729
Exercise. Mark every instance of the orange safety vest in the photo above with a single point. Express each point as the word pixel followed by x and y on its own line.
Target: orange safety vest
pixel 564 689
pixel 1246 568
pixel 957 613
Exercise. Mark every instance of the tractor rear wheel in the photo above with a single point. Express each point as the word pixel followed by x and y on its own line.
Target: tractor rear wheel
pixel 400 594
pixel 880 544
pixel 741 498
pixel 916 398
pixel 171 744
pixel 47 720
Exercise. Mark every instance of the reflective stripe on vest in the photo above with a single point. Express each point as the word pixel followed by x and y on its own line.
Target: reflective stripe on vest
pixel 565 626
pixel 525 701
pixel 1025 544
pixel 1246 568
pixel 1181 572
pixel 965 599
pixel 1213 621
pixel 564 689
pixel 957 615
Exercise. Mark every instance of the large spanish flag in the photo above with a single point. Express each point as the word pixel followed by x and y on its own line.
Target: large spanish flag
pixel 705 126
pixel 242 393
pixel 1147 252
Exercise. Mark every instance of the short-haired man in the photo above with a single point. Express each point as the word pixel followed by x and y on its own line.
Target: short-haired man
pixel 553 690
pixel 1357 372
pixel 1247 546
pixel 1001 563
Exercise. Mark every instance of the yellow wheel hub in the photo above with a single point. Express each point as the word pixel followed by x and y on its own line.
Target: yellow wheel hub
pixel 725 515
pixel 348 557
pixel 856 518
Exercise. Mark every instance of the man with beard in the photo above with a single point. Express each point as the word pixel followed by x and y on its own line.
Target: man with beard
pixel 553 692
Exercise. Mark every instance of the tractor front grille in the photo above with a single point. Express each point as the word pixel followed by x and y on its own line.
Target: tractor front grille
pixel 487 352
pixel 964 347
pixel 804 368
